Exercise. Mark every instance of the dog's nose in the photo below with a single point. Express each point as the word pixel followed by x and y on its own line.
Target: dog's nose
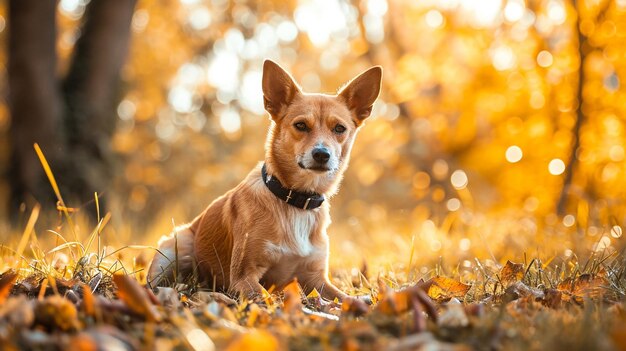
pixel 321 154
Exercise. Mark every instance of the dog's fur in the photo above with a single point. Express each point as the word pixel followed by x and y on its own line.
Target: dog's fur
pixel 248 238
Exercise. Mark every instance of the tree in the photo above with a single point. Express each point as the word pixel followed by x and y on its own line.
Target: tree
pixel 72 118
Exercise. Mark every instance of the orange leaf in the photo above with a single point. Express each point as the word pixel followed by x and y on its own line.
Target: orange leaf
pixel 511 272
pixel 443 287
pixel 7 280
pixel 258 340
pixel 585 285
pixel 89 305
pixel 293 297
pixel 135 297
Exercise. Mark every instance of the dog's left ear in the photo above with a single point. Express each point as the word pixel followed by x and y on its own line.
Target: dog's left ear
pixel 361 92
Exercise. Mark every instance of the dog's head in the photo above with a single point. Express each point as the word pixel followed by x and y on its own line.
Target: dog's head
pixel 312 134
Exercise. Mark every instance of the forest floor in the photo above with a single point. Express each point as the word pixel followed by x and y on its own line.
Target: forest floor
pixel 74 296
pixel 77 295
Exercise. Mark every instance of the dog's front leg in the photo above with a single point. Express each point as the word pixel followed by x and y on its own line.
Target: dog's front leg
pixel 246 269
pixel 315 275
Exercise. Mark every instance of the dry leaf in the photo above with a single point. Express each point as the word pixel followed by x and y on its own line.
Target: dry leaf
pixel 443 287
pixel 313 294
pixel 89 304
pixel 7 280
pixel 511 272
pixel 18 311
pixel 354 306
pixel 293 297
pixel 55 312
pixel 391 303
pixel 552 298
pixel 519 290
pixel 257 340
pixel 589 285
pixel 135 297
pixel 454 316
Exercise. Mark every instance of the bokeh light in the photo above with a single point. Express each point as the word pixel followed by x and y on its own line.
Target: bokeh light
pixel 556 166
pixel 459 179
pixel 514 154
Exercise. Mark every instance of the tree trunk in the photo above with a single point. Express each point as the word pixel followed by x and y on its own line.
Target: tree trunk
pixel 72 123
pixel 568 176
pixel 34 100
pixel 91 92
pixel 561 205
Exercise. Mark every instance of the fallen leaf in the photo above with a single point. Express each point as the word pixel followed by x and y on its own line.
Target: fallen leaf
pixel 55 312
pixel 293 297
pixel 552 298
pixel 18 311
pixel 511 272
pixel 313 294
pixel 454 316
pixel 258 340
pixel 442 287
pixel 593 286
pixel 7 280
pixel 105 338
pixel 519 290
pixel 135 297
pixel 88 304
pixel 354 306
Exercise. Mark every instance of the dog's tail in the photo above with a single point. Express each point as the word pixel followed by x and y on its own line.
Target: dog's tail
pixel 173 259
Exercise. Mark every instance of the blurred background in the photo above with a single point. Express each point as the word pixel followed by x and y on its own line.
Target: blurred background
pixel 500 130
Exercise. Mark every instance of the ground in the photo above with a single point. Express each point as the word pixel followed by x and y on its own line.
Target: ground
pixel 67 297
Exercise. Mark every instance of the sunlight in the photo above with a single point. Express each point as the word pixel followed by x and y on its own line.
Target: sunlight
pixel 556 12
pixel 544 59
pixel 503 58
pixel 434 19
pixel 556 166
pixel 230 121
pixel 459 179
pixel 483 13
pixel 514 154
pixel 223 72
pixel 320 20
pixel 181 99
pixel 514 10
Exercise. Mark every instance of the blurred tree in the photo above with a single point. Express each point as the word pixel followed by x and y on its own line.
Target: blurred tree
pixel 73 121
pixel 583 50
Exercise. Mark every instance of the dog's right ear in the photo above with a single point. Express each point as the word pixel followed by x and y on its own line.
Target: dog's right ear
pixel 279 88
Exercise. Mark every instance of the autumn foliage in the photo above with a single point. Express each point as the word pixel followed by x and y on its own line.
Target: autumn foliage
pixel 488 179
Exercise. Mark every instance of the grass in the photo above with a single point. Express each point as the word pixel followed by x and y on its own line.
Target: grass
pixel 57 293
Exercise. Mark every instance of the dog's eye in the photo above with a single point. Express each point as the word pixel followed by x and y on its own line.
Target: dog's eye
pixel 339 129
pixel 301 126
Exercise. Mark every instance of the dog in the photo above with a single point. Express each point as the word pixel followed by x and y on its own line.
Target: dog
pixel 271 228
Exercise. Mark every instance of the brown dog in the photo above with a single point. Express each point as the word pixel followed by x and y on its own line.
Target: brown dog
pixel 271 228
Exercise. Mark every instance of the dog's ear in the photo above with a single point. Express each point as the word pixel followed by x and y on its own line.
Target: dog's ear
pixel 361 92
pixel 279 88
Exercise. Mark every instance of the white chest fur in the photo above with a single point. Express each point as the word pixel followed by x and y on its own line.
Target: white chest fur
pixel 296 225
pixel 299 228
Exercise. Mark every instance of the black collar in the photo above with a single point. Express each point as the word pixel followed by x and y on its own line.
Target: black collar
pixel 305 201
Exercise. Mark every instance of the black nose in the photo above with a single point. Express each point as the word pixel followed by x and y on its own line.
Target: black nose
pixel 321 154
